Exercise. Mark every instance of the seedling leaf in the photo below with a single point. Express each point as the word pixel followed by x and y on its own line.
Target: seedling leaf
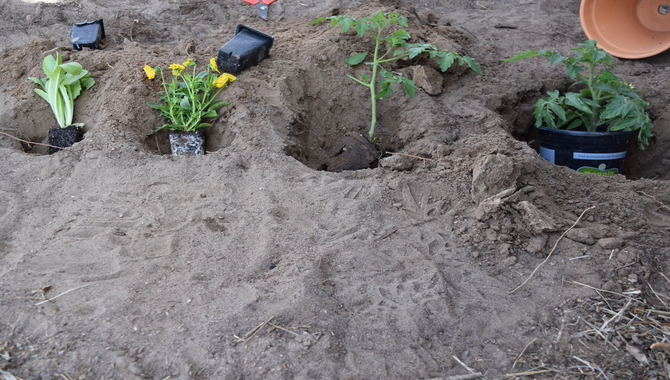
pixel 397 48
pixel 356 58
pixel 574 100
pixel 409 87
pixel 446 61
pixel 472 63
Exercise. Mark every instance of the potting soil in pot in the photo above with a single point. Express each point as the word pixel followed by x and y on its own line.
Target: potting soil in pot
pixel 187 143
pixel 64 137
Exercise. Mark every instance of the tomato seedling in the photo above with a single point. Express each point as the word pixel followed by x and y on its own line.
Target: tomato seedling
pixel 397 48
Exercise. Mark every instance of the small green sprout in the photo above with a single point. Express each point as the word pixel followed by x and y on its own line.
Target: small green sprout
pixel 62 85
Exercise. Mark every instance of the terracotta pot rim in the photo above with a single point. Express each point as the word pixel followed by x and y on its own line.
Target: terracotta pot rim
pixel 630 29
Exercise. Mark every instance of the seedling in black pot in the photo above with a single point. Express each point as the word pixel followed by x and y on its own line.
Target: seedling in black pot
pixel 61 86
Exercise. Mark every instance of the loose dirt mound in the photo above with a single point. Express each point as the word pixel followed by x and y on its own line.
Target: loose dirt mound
pixel 251 262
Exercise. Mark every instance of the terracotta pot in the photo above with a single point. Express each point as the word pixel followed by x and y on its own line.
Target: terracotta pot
pixel 627 28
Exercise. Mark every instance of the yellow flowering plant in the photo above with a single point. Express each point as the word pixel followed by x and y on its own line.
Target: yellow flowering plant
pixel 189 97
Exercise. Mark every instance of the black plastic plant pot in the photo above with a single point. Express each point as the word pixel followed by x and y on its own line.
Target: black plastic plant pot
pixel 87 34
pixel 64 137
pixel 247 48
pixel 187 143
pixel 600 153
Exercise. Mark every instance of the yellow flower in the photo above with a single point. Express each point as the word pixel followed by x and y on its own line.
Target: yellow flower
pixel 151 73
pixel 214 66
pixel 188 61
pixel 223 80
pixel 176 68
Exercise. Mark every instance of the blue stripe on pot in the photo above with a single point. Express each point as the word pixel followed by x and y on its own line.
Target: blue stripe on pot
pixel 600 153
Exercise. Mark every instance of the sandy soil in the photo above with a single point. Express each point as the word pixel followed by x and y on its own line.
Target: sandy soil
pixel 251 263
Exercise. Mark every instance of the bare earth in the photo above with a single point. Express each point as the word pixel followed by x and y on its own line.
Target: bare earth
pixel 251 263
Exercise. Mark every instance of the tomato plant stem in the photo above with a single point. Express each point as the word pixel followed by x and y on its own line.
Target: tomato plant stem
pixel 373 91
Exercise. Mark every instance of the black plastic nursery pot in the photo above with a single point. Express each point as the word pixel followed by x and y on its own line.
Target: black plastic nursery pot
pixel 87 34
pixel 601 153
pixel 247 48
pixel 187 143
pixel 64 137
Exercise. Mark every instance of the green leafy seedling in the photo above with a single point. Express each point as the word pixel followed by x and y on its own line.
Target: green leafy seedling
pixel 189 97
pixel 397 47
pixel 61 86
pixel 605 99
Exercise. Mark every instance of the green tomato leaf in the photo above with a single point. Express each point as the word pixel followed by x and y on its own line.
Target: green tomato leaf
pixel 356 58
pixel 599 55
pixel 553 94
pixel 413 52
pixel 361 27
pixel 619 106
pixel 549 121
pixel 590 102
pixel 527 54
pixel 318 20
pixel 573 70
pixel 574 124
pixel 410 87
pixel 346 22
pixel 557 110
pixel 385 73
pixel 604 87
pixel 386 89
pixel 623 124
pixel 472 63
pixel 446 61
pixel 556 57
pixel 401 35
pixel 574 100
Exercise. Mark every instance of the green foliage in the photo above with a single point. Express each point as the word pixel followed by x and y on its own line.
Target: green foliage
pixel 190 100
pixel 605 99
pixel 397 48
pixel 62 85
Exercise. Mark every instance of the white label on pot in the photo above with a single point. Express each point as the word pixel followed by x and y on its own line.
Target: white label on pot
pixel 548 154
pixel 598 156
